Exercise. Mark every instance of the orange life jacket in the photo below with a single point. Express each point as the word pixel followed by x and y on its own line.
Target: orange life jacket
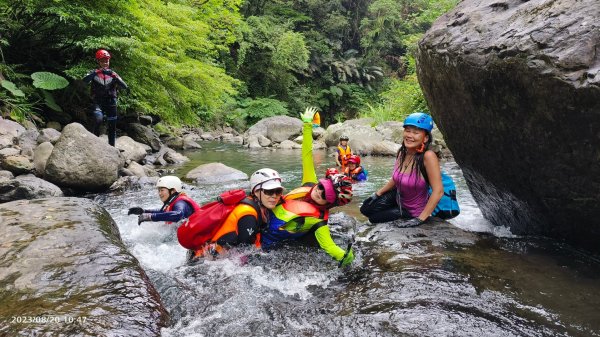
pixel 344 154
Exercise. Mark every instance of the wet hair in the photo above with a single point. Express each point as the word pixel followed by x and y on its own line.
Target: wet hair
pixel 418 164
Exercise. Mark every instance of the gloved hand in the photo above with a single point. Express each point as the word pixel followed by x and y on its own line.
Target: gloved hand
pixel 414 222
pixel 144 217
pixel 308 114
pixel 347 259
pixel 135 210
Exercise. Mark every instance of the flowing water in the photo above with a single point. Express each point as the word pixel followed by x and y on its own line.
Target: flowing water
pixel 462 278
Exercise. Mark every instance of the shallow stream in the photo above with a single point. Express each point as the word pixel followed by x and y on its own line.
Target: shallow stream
pixel 462 278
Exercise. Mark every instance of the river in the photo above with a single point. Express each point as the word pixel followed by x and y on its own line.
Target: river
pixel 462 278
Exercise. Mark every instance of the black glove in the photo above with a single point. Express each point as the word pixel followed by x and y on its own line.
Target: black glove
pixel 414 222
pixel 135 210
pixel 144 217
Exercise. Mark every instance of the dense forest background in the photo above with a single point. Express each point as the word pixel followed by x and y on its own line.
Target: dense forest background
pixel 228 62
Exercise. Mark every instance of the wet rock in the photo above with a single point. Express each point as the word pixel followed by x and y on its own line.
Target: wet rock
pixel 40 157
pixel 288 145
pixel 133 183
pixel 277 129
pixel 174 157
pixel 190 142
pixel 82 161
pixel 63 257
pixel 48 135
pixel 27 187
pixel 213 173
pixel 515 89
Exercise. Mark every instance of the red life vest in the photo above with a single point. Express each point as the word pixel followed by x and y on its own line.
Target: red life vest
pixel 206 222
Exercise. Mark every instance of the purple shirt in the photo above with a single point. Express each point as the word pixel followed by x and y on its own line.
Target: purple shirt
pixel 412 190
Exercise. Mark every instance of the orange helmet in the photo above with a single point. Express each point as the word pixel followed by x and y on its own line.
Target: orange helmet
pixel 343 189
pixel 102 54
pixel 354 159
pixel 331 172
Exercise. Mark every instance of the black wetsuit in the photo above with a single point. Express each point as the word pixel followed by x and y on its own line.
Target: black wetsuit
pixel 104 95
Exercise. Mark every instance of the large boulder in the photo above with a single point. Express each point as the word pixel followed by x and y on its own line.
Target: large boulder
pixel 515 88
pixel 215 173
pixel 82 161
pixel 63 259
pixel 277 129
pixel 27 187
pixel 363 137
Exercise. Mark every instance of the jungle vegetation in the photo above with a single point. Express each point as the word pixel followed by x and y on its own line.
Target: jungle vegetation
pixel 208 62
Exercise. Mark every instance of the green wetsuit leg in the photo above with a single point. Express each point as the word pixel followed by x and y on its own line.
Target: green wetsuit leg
pixel 324 239
pixel 308 165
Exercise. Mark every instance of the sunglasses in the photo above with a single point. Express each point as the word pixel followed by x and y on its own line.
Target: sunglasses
pixel 276 192
pixel 320 187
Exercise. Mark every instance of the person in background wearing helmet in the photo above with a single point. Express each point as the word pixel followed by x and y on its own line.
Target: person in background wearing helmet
pixel 405 194
pixel 104 94
pixel 176 204
pixel 354 170
pixel 320 192
pixel 343 152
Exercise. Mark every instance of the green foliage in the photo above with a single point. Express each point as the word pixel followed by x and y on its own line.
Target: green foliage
pixel 250 111
pixel 12 88
pixel 402 98
pixel 48 81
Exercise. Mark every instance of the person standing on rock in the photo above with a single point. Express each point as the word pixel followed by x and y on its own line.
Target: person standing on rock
pixel 105 83
pixel 405 196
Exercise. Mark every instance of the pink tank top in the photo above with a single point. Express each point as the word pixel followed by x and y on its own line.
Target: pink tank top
pixel 412 189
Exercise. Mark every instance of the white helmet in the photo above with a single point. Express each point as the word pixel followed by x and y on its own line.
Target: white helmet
pixel 265 179
pixel 169 182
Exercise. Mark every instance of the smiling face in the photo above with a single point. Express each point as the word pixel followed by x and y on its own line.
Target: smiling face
pixel 163 194
pixel 351 166
pixel 414 137
pixel 317 194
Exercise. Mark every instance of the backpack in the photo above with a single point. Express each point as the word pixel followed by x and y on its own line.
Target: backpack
pixel 206 220
pixel 447 207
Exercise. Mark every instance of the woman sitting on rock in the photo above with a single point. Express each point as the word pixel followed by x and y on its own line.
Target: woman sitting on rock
pixel 406 194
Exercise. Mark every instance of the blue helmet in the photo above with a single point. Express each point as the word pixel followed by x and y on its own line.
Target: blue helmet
pixel 420 120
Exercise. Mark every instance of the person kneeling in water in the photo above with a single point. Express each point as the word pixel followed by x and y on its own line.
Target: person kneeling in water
pixel 354 170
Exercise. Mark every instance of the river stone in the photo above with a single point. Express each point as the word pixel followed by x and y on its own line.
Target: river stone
pixel 9 151
pixel 385 148
pixel 63 257
pixel 391 130
pixel 18 164
pixel 48 135
pixel 207 136
pixel 174 157
pixel 144 135
pixel 253 142
pixel 215 173
pixel 82 161
pixel 514 86
pixel 363 137
pixel 277 129
pixel 10 130
pixel 132 150
pixel 263 141
pixel 27 187
pixel 28 142
pixel 40 157
pixel 288 145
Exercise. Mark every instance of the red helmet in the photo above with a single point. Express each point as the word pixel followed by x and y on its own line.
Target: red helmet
pixel 354 159
pixel 102 54
pixel 343 189
pixel 331 172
